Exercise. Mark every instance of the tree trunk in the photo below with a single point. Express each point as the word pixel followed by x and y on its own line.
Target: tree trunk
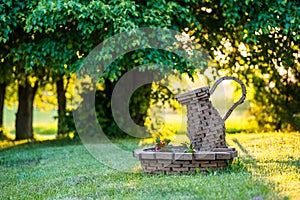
pixel 2 97
pixel 24 117
pixel 61 101
pixel 278 126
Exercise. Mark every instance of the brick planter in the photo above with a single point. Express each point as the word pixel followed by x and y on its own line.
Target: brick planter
pixel 176 162
pixel 206 131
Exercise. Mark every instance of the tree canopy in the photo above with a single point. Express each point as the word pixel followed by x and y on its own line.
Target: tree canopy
pixel 257 41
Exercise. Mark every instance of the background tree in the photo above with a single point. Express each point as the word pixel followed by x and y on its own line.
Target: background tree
pixel 44 40
pixel 11 13
pixel 7 26
pixel 83 26
pixel 258 41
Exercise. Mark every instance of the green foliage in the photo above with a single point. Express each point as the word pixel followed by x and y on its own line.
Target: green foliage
pixel 46 40
pixel 190 148
pixel 262 49
pixel 236 165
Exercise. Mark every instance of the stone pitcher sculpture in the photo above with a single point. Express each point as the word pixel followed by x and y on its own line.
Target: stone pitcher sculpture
pixel 206 128
pixel 206 131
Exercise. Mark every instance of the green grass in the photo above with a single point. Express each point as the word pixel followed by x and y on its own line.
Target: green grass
pixel 274 157
pixel 241 122
pixel 268 167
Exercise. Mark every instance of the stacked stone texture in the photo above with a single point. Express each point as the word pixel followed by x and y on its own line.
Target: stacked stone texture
pixel 206 128
pixel 175 162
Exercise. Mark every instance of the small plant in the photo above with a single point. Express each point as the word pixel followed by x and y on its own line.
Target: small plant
pixel 236 166
pixel 162 145
pixel 209 171
pixel 190 148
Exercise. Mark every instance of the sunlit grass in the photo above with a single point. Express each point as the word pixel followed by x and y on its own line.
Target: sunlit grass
pixel 41 132
pixel 241 123
pixel 65 170
pixel 274 157
pixel 45 129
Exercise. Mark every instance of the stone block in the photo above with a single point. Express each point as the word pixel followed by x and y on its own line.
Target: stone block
pixel 214 128
pixel 204 155
pixel 151 168
pixel 180 169
pixel 164 161
pixel 145 161
pixel 148 155
pixel 182 162
pixel 205 165
pixel 193 165
pixel 233 154
pixel 174 165
pixel 155 164
pixel 158 172
pixel 199 162
pixel 161 168
pixel 136 153
pixel 183 156
pixel 167 169
pixel 166 164
pixel 164 155
pixel 222 155
pixel 221 163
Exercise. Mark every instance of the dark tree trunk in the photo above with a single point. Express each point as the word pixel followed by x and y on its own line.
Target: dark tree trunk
pixel 24 117
pixel 61 101
pixel 2 97
pixel 278 126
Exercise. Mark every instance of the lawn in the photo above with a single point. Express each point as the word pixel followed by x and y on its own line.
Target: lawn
pixel 268 168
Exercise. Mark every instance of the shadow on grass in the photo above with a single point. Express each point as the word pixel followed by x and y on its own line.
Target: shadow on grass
pixel 242 149
pixel 291 162
pixel 248 159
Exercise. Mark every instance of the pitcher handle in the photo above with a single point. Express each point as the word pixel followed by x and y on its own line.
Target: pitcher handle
pixel 241 100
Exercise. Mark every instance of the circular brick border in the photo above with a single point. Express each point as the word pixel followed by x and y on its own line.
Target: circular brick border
pixel 178 162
